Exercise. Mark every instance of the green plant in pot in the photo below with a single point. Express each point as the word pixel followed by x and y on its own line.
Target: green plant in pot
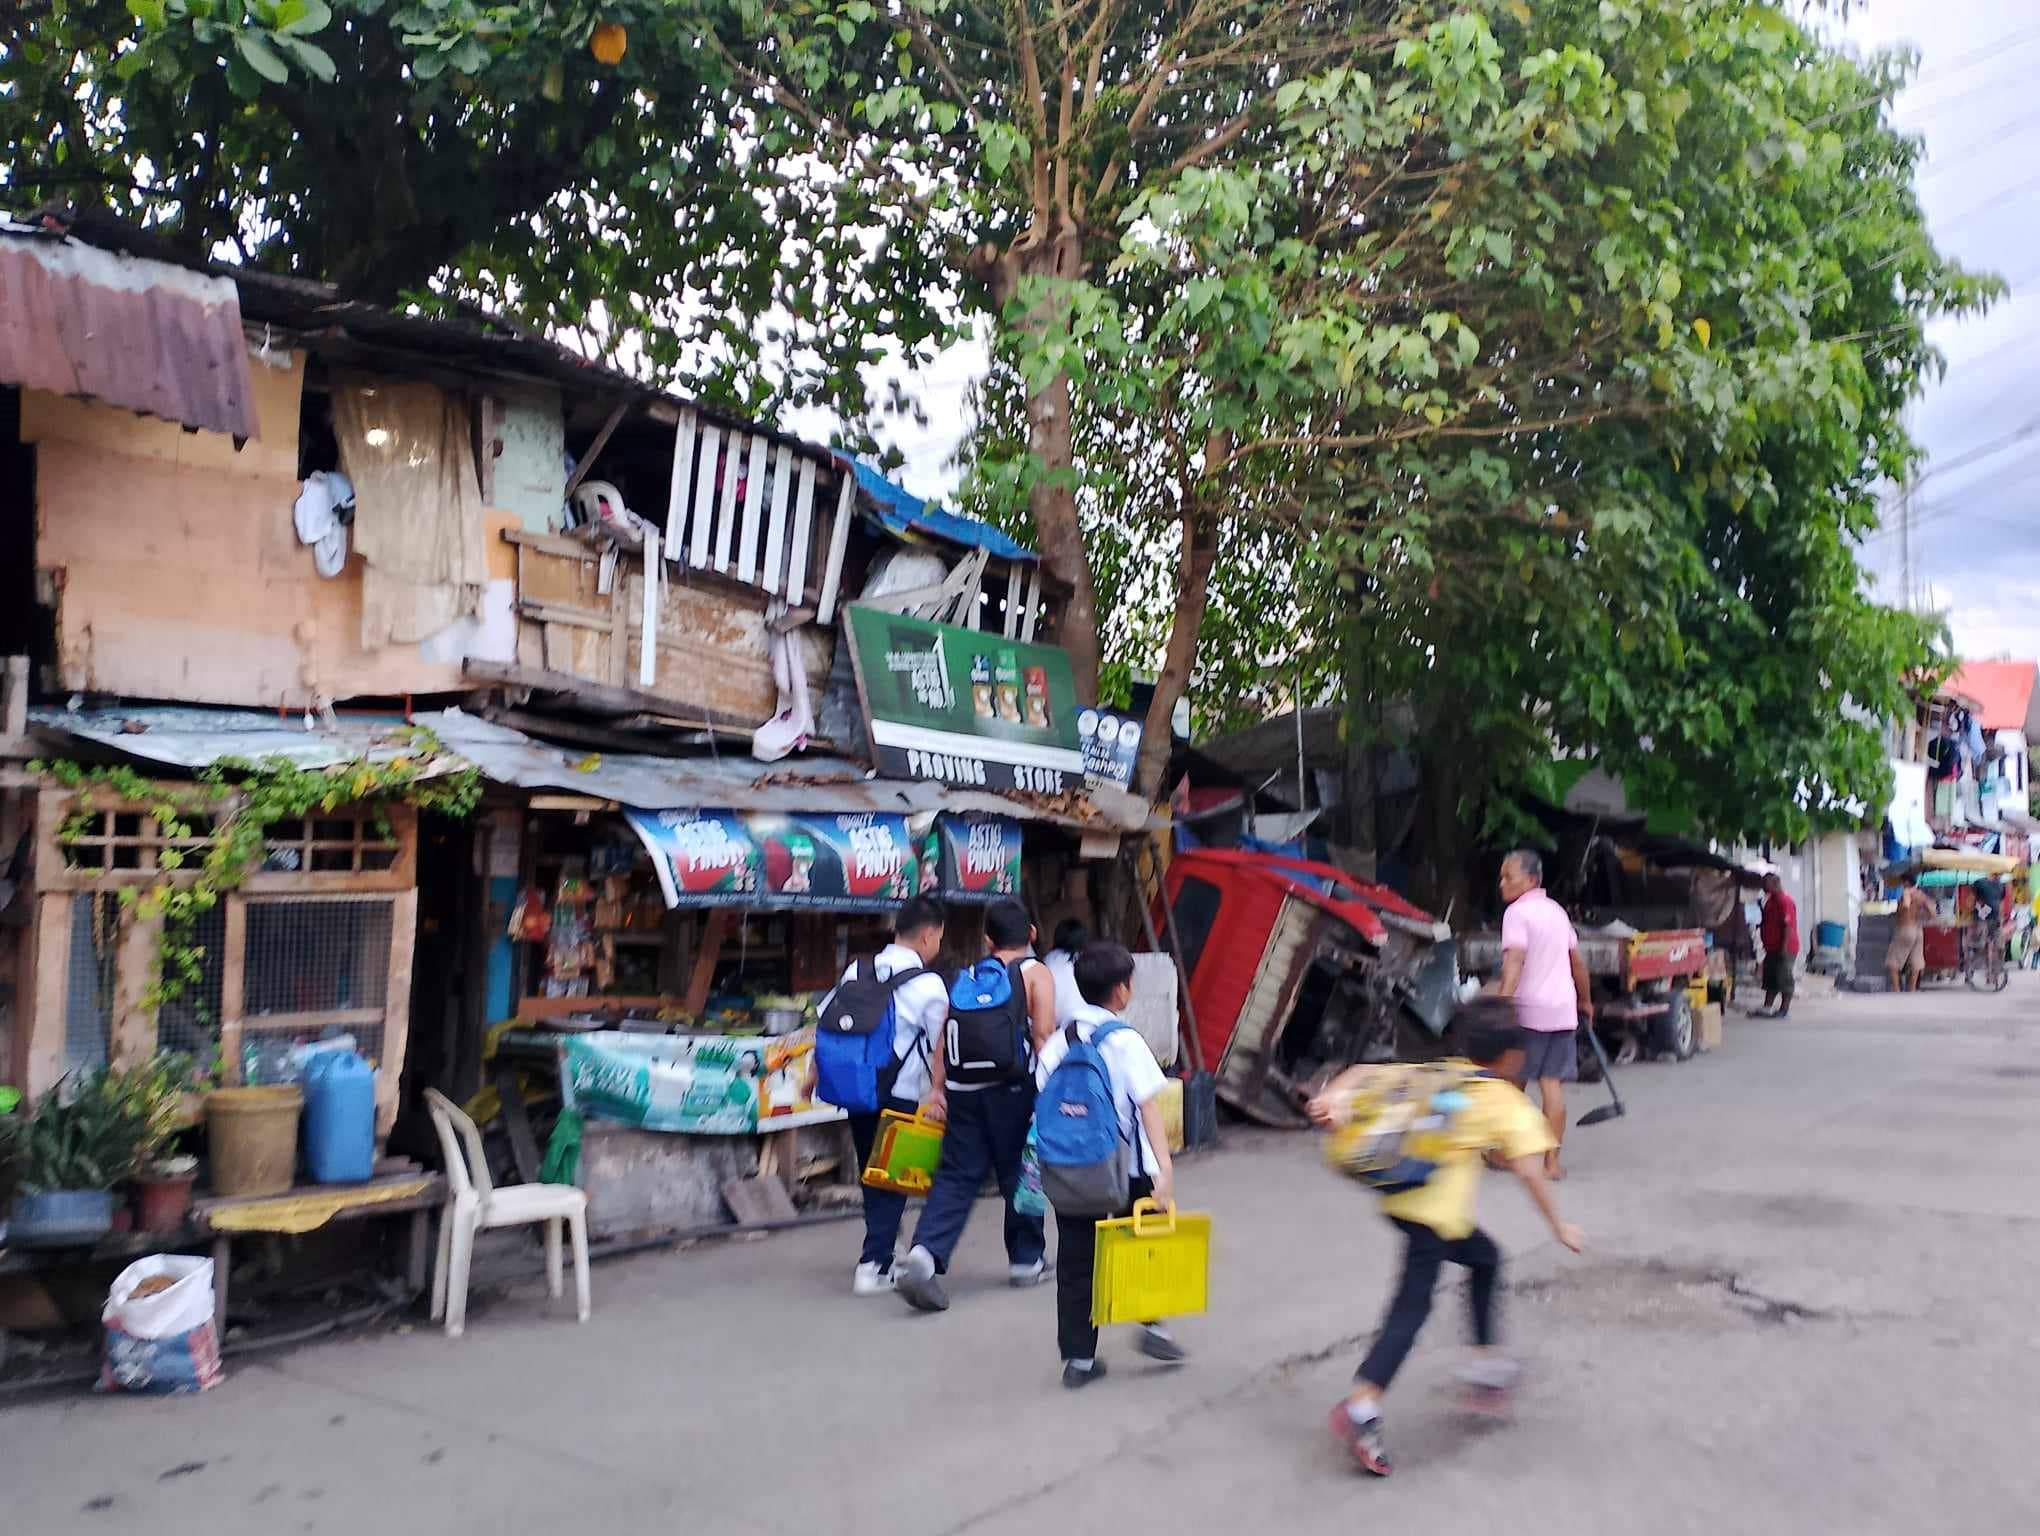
pixel 83 1139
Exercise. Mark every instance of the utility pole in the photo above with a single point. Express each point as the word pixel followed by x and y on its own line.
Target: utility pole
pixel 1905 562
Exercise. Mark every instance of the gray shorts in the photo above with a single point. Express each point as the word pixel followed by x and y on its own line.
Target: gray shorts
pixel 1551 1054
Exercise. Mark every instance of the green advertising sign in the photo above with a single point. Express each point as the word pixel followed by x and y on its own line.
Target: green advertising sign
pixel 965 707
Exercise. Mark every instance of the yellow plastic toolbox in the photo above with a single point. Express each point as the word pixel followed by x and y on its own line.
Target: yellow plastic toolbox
pixel 904 1155
pixel 1151 1265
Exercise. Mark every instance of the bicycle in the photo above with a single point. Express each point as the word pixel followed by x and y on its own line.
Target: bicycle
pixel 1983 957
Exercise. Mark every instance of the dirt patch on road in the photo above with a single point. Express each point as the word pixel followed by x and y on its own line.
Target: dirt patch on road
pixel 1649 1294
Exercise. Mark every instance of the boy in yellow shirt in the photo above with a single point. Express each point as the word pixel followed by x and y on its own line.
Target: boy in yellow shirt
pixel 1436 1219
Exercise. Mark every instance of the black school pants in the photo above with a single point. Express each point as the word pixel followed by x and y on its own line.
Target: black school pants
pixel 1424 1254
pixel 1076 1251
pixel 986 1136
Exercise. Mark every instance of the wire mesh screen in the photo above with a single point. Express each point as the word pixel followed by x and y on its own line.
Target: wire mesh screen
pixel 315 962
pixel 190 1021
pixel 89 980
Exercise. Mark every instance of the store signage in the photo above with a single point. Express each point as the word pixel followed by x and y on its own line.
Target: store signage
pixel 965 707
pixel 971 858
pixel 856 861
pixel 1111 745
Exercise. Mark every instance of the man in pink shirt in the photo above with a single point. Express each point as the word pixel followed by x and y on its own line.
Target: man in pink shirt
pixel 1544 975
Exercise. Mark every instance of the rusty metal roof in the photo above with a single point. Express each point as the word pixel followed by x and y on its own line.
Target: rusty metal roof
pixel 190 736
pixel 141 334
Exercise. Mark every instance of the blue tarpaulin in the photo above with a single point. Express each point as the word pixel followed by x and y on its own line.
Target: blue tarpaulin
pixel 904 512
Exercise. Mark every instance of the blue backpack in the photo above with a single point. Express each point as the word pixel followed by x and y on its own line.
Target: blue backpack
pixel 1084 1155
pixel 988 1042
pixel 855 1067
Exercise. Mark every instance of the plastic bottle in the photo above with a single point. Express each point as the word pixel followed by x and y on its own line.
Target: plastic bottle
pixel 339 1123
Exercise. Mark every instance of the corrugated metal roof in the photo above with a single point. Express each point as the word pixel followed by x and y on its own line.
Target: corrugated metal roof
pixel 903 512
pixel 140 334
pixel 193 738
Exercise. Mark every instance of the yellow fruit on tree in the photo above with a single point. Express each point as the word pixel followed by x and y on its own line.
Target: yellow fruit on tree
pixel 608 43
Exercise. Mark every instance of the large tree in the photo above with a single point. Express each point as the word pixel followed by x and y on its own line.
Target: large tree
pixel 1623 523
pixel 1461 293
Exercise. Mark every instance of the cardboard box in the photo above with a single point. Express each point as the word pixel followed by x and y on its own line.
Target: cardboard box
pixel 1707 1027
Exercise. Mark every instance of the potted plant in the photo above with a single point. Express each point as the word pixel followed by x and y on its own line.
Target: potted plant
pixel 155 1093
pixel 68 1153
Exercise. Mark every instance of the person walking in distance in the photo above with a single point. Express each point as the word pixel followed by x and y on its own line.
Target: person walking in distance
pixel 1543 974
pixel 897 979
pixel 1906 956
pixel 1779 931
pixel 1000 1012
pixel 1070 938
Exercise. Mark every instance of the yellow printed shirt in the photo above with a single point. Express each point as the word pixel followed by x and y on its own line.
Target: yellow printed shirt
pixel 1497 1115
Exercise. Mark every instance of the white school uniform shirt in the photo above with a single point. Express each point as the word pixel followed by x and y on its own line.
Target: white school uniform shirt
pixel 920 1009
pixel 1062 965
pixel 1136 1076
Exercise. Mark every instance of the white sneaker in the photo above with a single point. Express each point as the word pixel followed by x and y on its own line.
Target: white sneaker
pixel 1021 1276
pixel 871 1281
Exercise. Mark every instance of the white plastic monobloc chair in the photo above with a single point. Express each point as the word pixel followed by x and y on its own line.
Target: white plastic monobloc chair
pixel 477 1206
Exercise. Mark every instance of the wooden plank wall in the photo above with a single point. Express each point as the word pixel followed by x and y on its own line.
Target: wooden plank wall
pixel 711 635
pixel 178 571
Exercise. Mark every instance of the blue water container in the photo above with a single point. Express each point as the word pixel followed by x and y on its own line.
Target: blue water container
pixel 339 1118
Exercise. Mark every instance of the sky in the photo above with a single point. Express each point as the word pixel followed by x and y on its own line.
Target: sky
pixel 1976 545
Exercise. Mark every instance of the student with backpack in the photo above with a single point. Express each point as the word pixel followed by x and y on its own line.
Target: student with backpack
pixel 1000 1010
pixel 875 1035
pixel 1428 1176
pixel 1102 1145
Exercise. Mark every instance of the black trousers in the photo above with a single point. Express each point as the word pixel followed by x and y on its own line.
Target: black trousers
pixel 883 1209
pixel 986 1135
pixel 1076 1252
pixel 1423 1255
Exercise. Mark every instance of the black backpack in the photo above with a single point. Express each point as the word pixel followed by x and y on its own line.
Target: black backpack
pixel 988 1041
pixel 855 1067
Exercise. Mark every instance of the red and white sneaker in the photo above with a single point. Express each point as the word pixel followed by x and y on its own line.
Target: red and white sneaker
pixel 1363 1440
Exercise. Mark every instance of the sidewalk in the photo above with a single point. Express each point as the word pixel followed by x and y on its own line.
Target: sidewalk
pixel 1802 1310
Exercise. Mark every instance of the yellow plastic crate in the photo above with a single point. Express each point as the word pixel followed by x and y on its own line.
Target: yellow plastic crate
pixel 1151 1265
pixel 905 1153
pixel 1171 1100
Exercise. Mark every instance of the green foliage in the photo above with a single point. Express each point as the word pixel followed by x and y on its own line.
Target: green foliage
pixel 238 801
pixel 94 1132
pixel 1561 351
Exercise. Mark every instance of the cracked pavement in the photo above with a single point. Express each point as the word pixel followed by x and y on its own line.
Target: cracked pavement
pixel 1804 1306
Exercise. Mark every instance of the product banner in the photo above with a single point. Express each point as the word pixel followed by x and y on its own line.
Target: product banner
pixel 857 861
pixel 970 858
pixel 706 1085
pixel 964 707
pixel 1111 745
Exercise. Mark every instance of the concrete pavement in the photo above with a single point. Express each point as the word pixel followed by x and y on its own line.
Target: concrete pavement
pixel 1804 1307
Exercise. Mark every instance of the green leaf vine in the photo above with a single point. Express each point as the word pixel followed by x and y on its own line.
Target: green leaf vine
pixel 225 815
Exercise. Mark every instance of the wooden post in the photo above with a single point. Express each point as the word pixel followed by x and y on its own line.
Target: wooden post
pixel 42 1049
pixel 233 989
pixel 131 1031
pixel 396 1011
pixel 706 954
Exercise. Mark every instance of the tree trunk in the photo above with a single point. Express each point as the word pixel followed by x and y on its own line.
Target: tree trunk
pixel 1052 248
pixel 1193 584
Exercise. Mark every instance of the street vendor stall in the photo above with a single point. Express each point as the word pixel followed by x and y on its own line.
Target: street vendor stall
pixel 671 962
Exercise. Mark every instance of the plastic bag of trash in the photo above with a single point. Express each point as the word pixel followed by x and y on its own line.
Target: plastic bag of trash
pixel 159 1328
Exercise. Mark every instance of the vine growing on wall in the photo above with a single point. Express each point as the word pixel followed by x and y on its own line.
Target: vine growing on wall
pixel 217 828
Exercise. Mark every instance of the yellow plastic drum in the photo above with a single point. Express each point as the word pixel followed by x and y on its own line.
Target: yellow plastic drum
pixel 1151 1265
pixel 905 1153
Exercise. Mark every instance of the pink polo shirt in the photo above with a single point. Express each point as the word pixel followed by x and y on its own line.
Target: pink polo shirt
pixel 1538 926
